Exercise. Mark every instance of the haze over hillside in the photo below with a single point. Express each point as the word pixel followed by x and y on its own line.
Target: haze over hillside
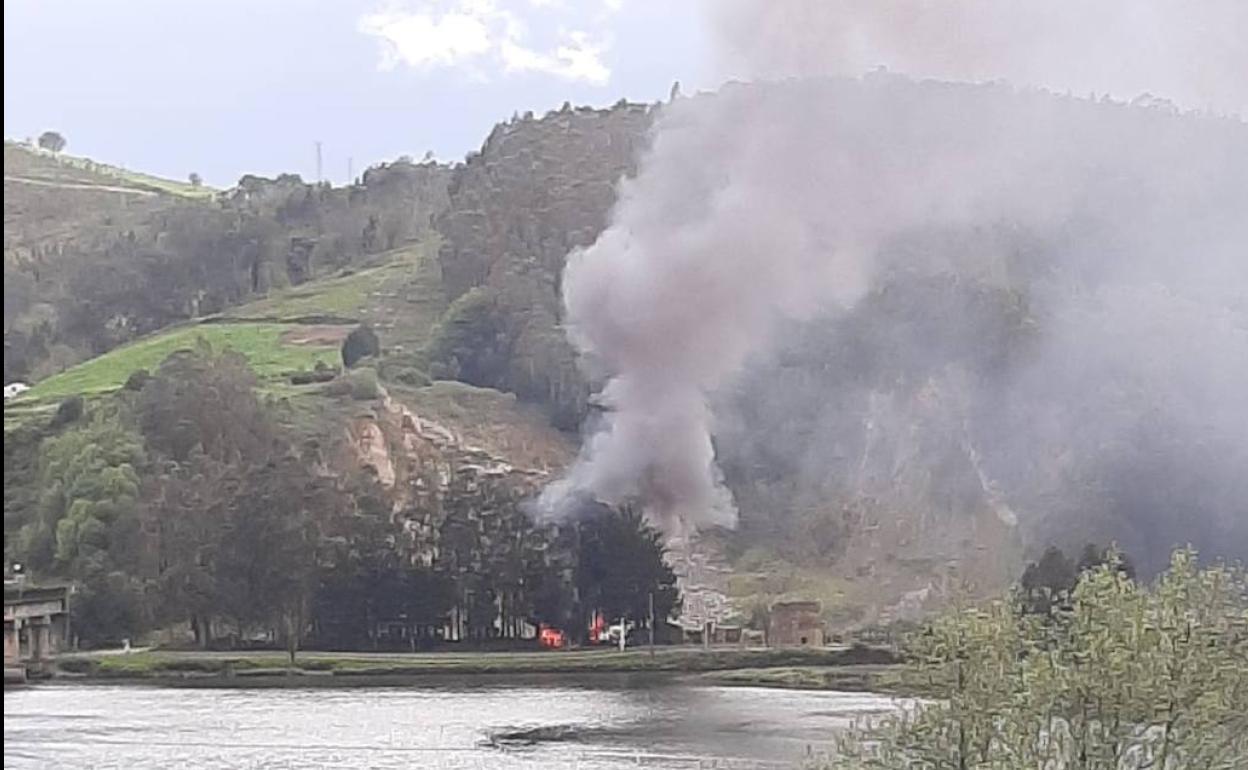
pixel 909 437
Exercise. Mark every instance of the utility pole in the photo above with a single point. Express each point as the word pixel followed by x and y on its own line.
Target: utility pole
pixel 319 176
pixel 651 602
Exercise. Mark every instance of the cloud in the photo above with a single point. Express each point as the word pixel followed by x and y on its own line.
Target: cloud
pixel 427 41
pixel 485 37
pixel 578 59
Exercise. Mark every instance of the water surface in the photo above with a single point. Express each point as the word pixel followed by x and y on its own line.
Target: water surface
pixel 599 723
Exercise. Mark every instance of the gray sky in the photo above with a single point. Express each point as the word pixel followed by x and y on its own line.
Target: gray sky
pixel 227 87
pixel 232 87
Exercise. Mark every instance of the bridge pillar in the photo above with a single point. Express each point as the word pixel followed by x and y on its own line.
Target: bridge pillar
pixel 40 638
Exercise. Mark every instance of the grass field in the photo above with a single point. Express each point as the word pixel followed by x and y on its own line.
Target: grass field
pixel 145 665
pixel 402 298
pixel 23 161
pixel 261 343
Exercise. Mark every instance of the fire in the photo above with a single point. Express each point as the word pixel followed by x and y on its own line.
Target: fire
pixel 551 638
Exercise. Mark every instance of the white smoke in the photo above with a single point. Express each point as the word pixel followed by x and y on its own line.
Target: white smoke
pixel 770 202
pixel 1190 51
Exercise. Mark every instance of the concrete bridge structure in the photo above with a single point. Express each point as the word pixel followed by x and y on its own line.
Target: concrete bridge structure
pixel 36 627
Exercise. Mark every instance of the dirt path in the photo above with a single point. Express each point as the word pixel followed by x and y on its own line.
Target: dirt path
pixel 80 186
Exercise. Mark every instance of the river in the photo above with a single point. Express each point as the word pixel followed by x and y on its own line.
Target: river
pixel 597 723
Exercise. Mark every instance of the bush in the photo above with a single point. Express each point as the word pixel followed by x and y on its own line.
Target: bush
pixel 316 375
pixel 137 379
pixel 364 385
pixel 413 377
pixel 69 411
pixel 361 343
pixel 338 387
pixel 1120 676
pixel 471 342
pixel 361 384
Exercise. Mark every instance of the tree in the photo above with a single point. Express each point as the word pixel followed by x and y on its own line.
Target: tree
pixel 1044 582
pixel 1052 579
pixel 620 565
pixel 195 179
pixel 233 517
pixel 1093 556
pixel 201 400
pixel 68 411
pixel 52 141
pixel 1127 676
pixel 264 564
pixel 361 343
pixel 87 523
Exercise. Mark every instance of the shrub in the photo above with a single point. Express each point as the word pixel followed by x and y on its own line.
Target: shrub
pixel 316 375
pixel 471 342
pixel 137 379
pixel 361 343
pixel 1120 676
pixel 361 385
pixel 413 377
pixel 69 411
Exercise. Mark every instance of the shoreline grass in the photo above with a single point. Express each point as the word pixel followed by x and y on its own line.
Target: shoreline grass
pixel 221 666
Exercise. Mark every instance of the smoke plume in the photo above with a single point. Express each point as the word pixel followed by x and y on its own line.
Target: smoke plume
pixel 786 200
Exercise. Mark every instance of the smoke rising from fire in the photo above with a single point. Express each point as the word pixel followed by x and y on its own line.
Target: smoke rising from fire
pixel 774 202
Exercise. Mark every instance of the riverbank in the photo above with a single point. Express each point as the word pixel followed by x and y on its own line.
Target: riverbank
pixel 751 665
pixel 886 679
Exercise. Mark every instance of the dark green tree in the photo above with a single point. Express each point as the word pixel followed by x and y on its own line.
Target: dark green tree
pixel 361 343
pixel 202 400
pixel 52 141
pixel 620 565
pixel 1046 581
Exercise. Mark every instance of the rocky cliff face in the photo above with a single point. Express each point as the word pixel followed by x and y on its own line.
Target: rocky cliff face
pixel 429 463
pixel 893 487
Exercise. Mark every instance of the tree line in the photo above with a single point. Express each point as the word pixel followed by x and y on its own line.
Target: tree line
pixel 186 502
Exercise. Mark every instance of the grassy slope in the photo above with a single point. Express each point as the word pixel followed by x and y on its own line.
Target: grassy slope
pixel 260 342
pixel 401 296
pixel 23 162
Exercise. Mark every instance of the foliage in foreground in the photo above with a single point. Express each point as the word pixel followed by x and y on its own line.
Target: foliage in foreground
pixel 1119 675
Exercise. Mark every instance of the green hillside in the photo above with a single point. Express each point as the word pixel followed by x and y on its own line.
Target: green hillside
pixel 290 330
